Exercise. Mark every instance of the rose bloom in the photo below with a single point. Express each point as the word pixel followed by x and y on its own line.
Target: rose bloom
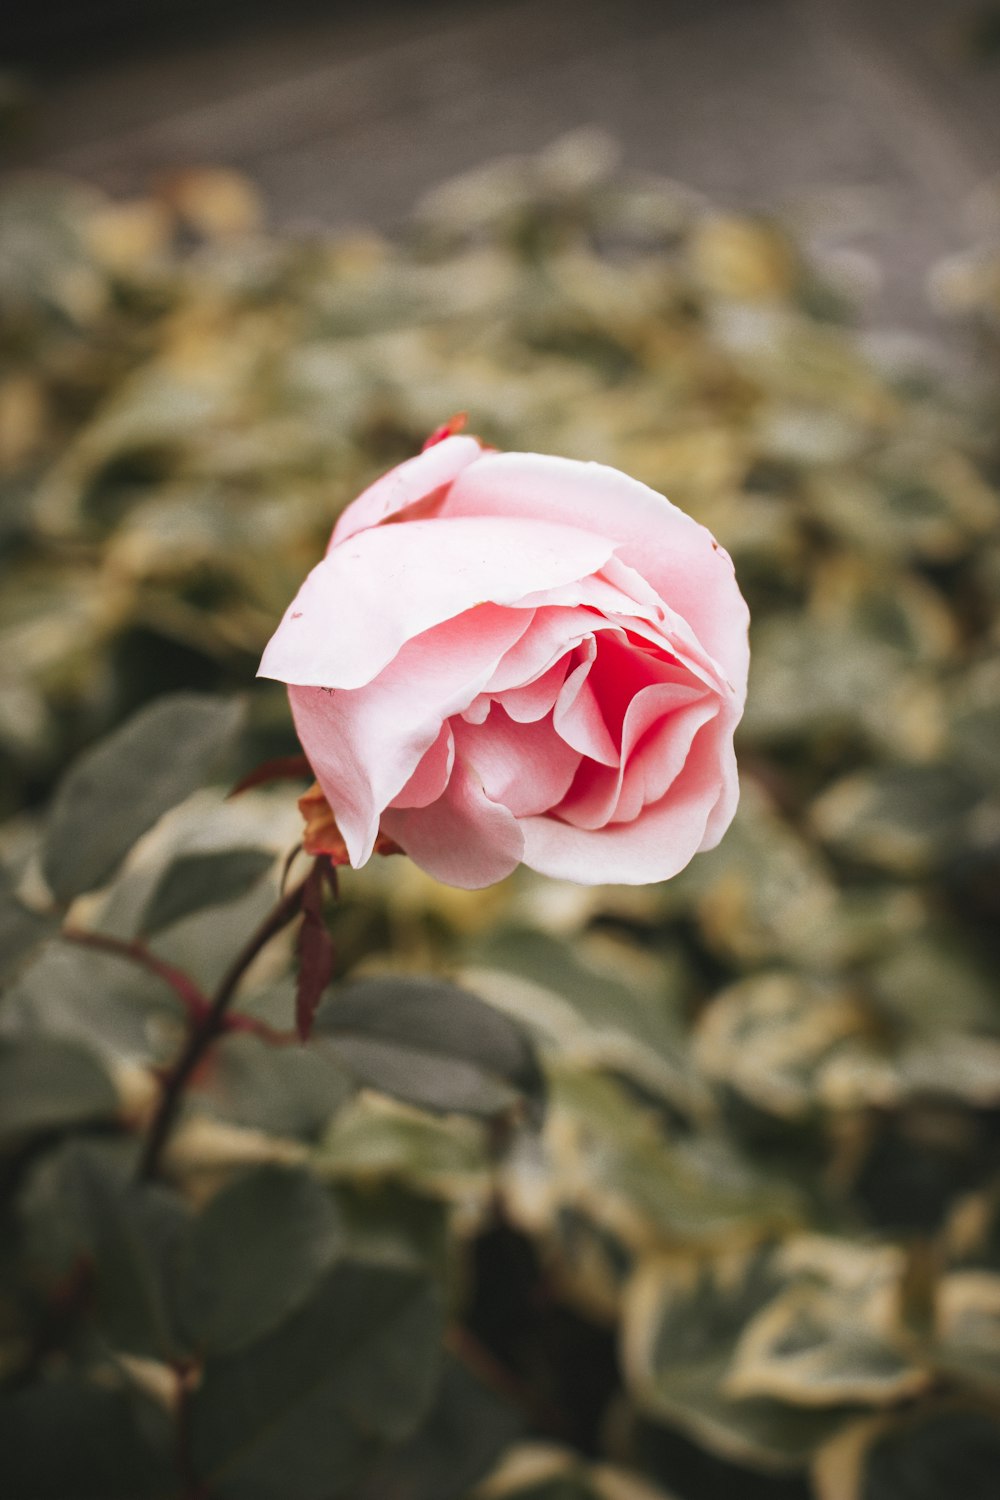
pixel 508 658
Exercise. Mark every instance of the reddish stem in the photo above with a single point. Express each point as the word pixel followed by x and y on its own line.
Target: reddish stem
pixel 184 987
pixel 207 1027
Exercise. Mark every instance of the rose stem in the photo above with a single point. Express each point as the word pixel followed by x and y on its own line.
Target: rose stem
pixel 204 1031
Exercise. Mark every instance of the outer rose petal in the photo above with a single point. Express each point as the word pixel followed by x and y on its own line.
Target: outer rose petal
pixel 365 744
pixel 724 810
pixel 683 562
pixel 654 847
pixel 409 483
pixel 382 588
pixel 463 839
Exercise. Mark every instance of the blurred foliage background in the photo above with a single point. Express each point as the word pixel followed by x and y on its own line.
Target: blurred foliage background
pixel 751 1245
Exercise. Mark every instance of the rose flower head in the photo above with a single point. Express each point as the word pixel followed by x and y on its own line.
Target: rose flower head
pixel 509 658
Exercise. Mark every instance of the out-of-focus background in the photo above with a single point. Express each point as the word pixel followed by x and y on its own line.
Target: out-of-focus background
pixel 748 251
pixel 345 114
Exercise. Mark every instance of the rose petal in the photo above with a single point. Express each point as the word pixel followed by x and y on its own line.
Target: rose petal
pixel 463 838
pixel 526 767
pixel 410 482
pixel 623 599
pixel 653 847
pixel 537 698
pixel 552 636
pixel 431 776
pixel 577 714
pixel 365 744
pixel 680 558
pixel 660 727
pixel 723 812
pixel 383 587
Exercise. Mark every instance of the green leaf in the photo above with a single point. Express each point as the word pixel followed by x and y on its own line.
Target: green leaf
pixel 83 1202
pixel 612 1158
pixel 967 1328
pixel 902 819
pixel 47 1083
pixel 545 1471
pixel 98 1000
pixel 281 1090
pixel 464 1433
pixel 587 1012
pixel 195 881
pixel 833 1336
pixel 430 1043
pixel 814 675
pixel 300 1414
pixel 682 1319
pixel 940 1455
pixel 373 1137
pixel 769 1037
pixel 63 1440
pixel 21 929
pixel 120 787
pixel 763 893
pixel 391 1224
pixel 254 1255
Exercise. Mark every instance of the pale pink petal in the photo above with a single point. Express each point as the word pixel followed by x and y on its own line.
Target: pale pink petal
pixel 478 710
pixel 463 838
pixel 364 744
pixel 723 812
pixel 383 587
pixel 527 767
pixel 615 590
pixel 410 482
pixel 626 601
pixel 659 753
pixel 577 714
pixel 660 726
pixel 537 698
pixel 552 635
pixel 683 562
pixel 653 847
pixel 431 776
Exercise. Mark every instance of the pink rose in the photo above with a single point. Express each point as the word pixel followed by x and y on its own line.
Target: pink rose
pixel 507 658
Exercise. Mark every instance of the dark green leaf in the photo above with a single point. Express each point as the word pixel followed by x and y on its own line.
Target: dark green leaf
pixel 283 1090
pixel 682 1321
pixel 20 929
pixel 119 788
pixel 430 1043
pixel 903 819
pixel 46 1083
pixel 466 1430
pixel 948 1454
pixel 96 999
pixel 82 1202
pixel 300 1414
pixel 577 1009
pixel 63 1440
pixel 389 1224
pixel 195 881
pixel 253 1256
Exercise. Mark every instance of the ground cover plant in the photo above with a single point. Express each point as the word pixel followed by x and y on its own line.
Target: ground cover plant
pixel 614 1193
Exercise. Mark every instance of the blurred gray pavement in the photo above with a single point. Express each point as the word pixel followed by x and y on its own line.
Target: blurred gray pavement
pixel 347 117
